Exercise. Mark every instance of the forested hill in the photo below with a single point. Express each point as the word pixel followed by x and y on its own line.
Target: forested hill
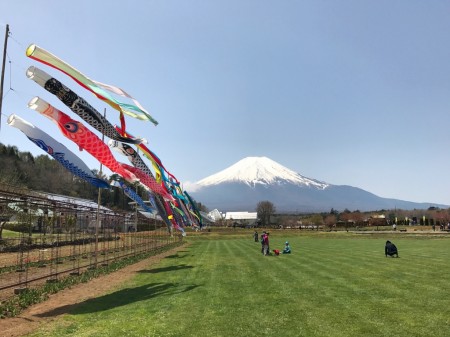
pixel 43 173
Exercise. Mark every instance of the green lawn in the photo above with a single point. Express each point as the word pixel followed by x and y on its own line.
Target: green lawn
pixel 6 234
pixel 333 284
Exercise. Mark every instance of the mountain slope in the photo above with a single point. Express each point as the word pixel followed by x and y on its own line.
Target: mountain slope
pixel 259 170
pixel 241 186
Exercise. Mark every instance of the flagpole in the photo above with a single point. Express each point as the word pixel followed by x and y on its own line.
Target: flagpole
pixel 3 72
pixel 98 203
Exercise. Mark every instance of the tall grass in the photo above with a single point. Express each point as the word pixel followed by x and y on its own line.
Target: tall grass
pixel 332 285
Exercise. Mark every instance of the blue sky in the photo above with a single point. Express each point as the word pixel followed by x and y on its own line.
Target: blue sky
pixel 348 92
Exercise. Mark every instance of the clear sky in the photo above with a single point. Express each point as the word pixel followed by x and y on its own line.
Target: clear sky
pixel 351 92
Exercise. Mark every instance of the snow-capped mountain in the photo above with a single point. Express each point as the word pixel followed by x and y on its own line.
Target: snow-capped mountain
pixel 241 186
pixel 259 170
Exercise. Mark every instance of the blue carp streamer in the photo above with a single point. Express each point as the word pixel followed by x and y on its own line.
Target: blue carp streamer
pixel 57 150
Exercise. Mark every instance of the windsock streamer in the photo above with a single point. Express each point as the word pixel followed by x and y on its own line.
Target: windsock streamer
pixel 78 105
pixel 159 204
pixel 148 181
pixel 159 168
pixel 147 178
pixel 163 212
pixel 188 217
pixel 97 88
pixel 168 192
pixel 82 136
pixel 194 208
pixel 57 150
pixel 178 216
pixel 132 195
pixel 137 161
pixel 157 164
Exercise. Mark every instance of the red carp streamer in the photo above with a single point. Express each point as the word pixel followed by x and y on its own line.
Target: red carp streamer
pixel 148 181
pixel 82 136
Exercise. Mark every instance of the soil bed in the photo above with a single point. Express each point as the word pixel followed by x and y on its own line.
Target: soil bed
pixel 61 303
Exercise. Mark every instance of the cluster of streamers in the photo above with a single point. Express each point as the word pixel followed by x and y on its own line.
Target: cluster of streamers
pixel 148 181
pixel 141 170
pixel 166 197
pixel 57 150
pixel 77 104
pixel 82 136
pixel 163 176
pixel 100 90
pixel 144 172
pixel 194 211
pixel 132 195
pixel 178 209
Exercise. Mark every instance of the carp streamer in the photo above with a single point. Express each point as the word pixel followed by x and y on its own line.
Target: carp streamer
pixel 78 105
pixel 132 195
pixel 82 136
pixel 176 208
pixel 144 173
pixel 99 89
pixel 146 176
pixel 57 150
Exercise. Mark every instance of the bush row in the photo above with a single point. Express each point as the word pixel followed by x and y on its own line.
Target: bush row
pixel 15 305
pixel 11 246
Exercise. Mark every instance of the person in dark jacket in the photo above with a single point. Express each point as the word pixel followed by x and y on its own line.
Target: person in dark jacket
pixel 263 235
pixel 390 249
pixel 255 236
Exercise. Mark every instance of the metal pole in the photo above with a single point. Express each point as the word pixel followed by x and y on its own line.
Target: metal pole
pixel 98 205
pixel 3 72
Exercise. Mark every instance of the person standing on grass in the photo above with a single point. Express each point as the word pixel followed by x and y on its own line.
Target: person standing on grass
pixel 390 249
pixel 255 236
pixel 266 248
pixel 263 235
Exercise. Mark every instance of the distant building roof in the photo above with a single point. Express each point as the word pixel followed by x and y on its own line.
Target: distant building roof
pixel 207 217
pixel 215 214
pixel 241 215
pixel 75 201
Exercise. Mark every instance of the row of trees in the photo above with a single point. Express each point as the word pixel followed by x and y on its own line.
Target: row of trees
pixel 266 212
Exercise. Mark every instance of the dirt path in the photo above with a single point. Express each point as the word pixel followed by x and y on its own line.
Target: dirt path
pixel 59 304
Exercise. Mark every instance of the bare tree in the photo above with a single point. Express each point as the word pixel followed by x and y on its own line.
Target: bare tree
pixel 330 220
pixel 264 210
pixel 317 220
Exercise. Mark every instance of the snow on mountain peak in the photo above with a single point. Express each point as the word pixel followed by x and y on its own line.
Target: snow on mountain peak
pixel 259 170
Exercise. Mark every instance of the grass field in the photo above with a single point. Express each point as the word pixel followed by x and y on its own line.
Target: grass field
pixel 334 284
pixel 7 234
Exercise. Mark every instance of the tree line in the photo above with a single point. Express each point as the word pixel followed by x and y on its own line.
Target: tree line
pixel 267 216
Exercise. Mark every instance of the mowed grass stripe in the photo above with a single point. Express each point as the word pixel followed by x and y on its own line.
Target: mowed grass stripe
pixel 327 287
pixel 265 290
pixel 323 285
pixel 362 282
pixel 281 273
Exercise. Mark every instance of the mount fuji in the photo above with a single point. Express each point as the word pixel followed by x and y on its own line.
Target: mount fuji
pixel 253 179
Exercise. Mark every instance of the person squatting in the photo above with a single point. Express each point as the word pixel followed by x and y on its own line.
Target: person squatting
pixel 390 249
